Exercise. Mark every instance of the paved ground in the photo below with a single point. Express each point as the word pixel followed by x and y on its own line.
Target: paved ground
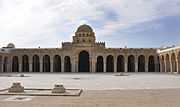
pixel 94 81
pixel 101 90
pixel 115 98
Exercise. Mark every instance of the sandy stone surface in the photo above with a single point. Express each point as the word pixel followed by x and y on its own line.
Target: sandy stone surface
pixel 94 81
pixel 106 98
pixel 100 90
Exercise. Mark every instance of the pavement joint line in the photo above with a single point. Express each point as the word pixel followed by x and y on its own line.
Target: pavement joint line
pixel 70 93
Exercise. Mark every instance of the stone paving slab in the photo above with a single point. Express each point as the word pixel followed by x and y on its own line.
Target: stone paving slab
pixel 94 81
pixel 18 98
pixel 43 92
pixel 100 98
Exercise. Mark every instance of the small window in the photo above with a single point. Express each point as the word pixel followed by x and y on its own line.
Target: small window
pixel 83 40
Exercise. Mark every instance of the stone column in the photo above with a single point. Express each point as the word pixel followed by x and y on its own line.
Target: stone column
pixel 94 64
pixel 156 63
pixel 115 63
pixel 165 69
pixel 177 65
pixel 126 63
pixel 146 63
pixel 41 63
pixel 62 64
pixel 104 57
pixel 51 64
pixel 73 68
pixel 30 63
pixel 160 61
pixel 90 62
pixel 136 63
pixel 171 65
pixel 76 64
pixel 20 64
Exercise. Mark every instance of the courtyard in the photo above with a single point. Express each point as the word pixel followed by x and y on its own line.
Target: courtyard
pixel 99 89
pixel 93 81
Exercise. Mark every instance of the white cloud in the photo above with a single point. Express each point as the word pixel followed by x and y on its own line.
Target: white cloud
pixel 131 12
pixel 25 21
pixel 30 23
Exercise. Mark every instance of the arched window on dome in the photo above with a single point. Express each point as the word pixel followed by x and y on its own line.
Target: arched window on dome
pixel 77 40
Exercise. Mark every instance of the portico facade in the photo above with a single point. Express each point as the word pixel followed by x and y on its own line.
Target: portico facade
pixel 170 60
pixel 83 54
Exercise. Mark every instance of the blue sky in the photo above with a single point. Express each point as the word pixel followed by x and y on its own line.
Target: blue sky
pixel 119 23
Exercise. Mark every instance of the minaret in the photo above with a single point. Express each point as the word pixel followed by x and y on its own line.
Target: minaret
pixel 84 35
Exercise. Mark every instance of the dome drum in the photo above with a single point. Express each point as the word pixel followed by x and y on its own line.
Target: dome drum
pixel 84 34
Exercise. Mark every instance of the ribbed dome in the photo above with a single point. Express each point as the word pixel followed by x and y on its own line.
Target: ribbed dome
pixel 11 45
pixel 84 28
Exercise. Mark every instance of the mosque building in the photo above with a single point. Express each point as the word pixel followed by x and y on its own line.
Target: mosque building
pixel 84 54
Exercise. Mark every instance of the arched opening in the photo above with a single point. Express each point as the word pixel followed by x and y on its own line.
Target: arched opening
pixel 1 63
pixel 120 63
pixel 5 64
pixel 151 64
pixel 36 64
pixel 15 64
pixel 163 64
pixel 25 63
pixel 109 64
pixel 131 63
pixel 158 63
pixel 173 61
pixel 168 69
pixel 83 61
pixel 46 63
pixel 67 64
pixel 141 63
pixel 179 62
pixel 57 63
pixel 99 64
